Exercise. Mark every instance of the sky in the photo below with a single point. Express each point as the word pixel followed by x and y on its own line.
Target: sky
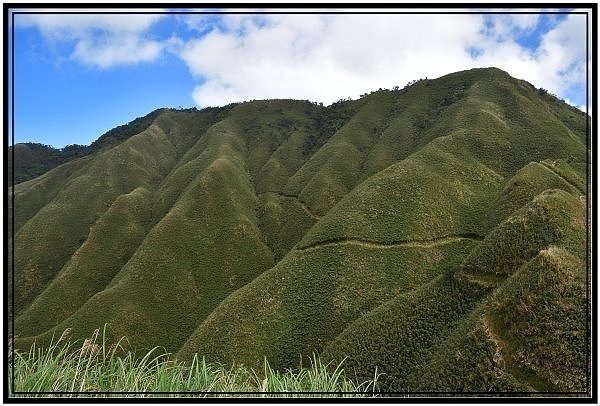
pixel 77 76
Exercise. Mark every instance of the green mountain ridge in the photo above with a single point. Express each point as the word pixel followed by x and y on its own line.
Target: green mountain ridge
pixel 436 232
pixel 34 159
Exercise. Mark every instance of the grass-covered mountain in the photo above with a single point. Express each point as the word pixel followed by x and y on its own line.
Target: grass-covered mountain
pixel 33 159
pixel 436 232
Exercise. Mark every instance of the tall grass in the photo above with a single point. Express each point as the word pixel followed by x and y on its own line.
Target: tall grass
pixel 93 368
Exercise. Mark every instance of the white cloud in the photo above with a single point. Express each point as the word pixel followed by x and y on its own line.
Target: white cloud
pixel 556 65
pixel 503 27
pixel 71 23
pixel 564 49
pixel 115 50
pixel 100 40
pixel 325 57
pixel 328 57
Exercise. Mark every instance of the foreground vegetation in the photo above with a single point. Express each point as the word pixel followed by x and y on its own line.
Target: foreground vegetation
pixel 93 368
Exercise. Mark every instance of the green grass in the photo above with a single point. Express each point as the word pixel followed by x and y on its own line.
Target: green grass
pixel 36 193
pixel 334 169
pixel 527 336
pixel 283 221
pixel 65 221
pixel 400 334
pixel 95 366
pixel 309 297
pixel 552 217
pixel 404 201
pixel 483 325
pixel 110 244
pixel 281 228
pixel 548 294
pixel 528 182
pixel 568 171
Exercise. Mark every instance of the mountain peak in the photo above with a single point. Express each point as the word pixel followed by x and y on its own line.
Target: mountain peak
pixel 398 230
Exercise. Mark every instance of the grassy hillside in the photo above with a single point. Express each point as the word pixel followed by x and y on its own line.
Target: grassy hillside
pixel 480 327
pixel 443 191
pixel 310 296
pixel 398 230
pixel 505 346
pixel 111 242
pixel 32 160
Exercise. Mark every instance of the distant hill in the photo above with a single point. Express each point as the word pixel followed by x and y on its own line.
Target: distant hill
pixel 34 159
pixel 435 232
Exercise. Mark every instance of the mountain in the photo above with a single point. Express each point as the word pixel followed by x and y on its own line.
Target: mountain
pixel 437 232
pixel 33 159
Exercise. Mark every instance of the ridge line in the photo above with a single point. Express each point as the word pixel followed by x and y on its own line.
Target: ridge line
pixel 503 358
pixel 302 204
pixel 553 170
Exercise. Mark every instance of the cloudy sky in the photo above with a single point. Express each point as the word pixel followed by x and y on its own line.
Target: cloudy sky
pixel 78 75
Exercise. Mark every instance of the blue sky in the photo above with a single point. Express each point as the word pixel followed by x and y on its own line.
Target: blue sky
pixel 77 76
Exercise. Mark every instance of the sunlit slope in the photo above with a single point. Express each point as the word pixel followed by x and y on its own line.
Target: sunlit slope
pixel 36 193
pixel 530 335
pixel 552 216
pixel 311 295
pixel 459 334
pixel 335 168
pixel 277 228
pixel 397 336
pixel 81 203
pixel 485 140
pixel 188 260
pixel 325 283
pixel 283 221
pixel 434 193
pixel 530 181
pixel 109 245
pixel 45 243
pixel 201 239
pixel 32 159
pixel 442 193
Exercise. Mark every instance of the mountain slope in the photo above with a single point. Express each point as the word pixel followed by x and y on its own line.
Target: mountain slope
pixel 484 320
pixel 442 190
pixel 32 160
pixel 278 228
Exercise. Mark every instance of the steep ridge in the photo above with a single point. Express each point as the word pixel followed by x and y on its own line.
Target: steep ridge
pixel 528 182
pixel 335 168
pixel 189 203
pixel 309 297
pixel 65 221
pixel 569 176
pixel 139 162
pixel 503 344
pixel 278 228
pixel 302 204
pixel 190 240
pixel 447 187
pixel 111 242
pixel 283 221
pixel 457 343
pixel 32 160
